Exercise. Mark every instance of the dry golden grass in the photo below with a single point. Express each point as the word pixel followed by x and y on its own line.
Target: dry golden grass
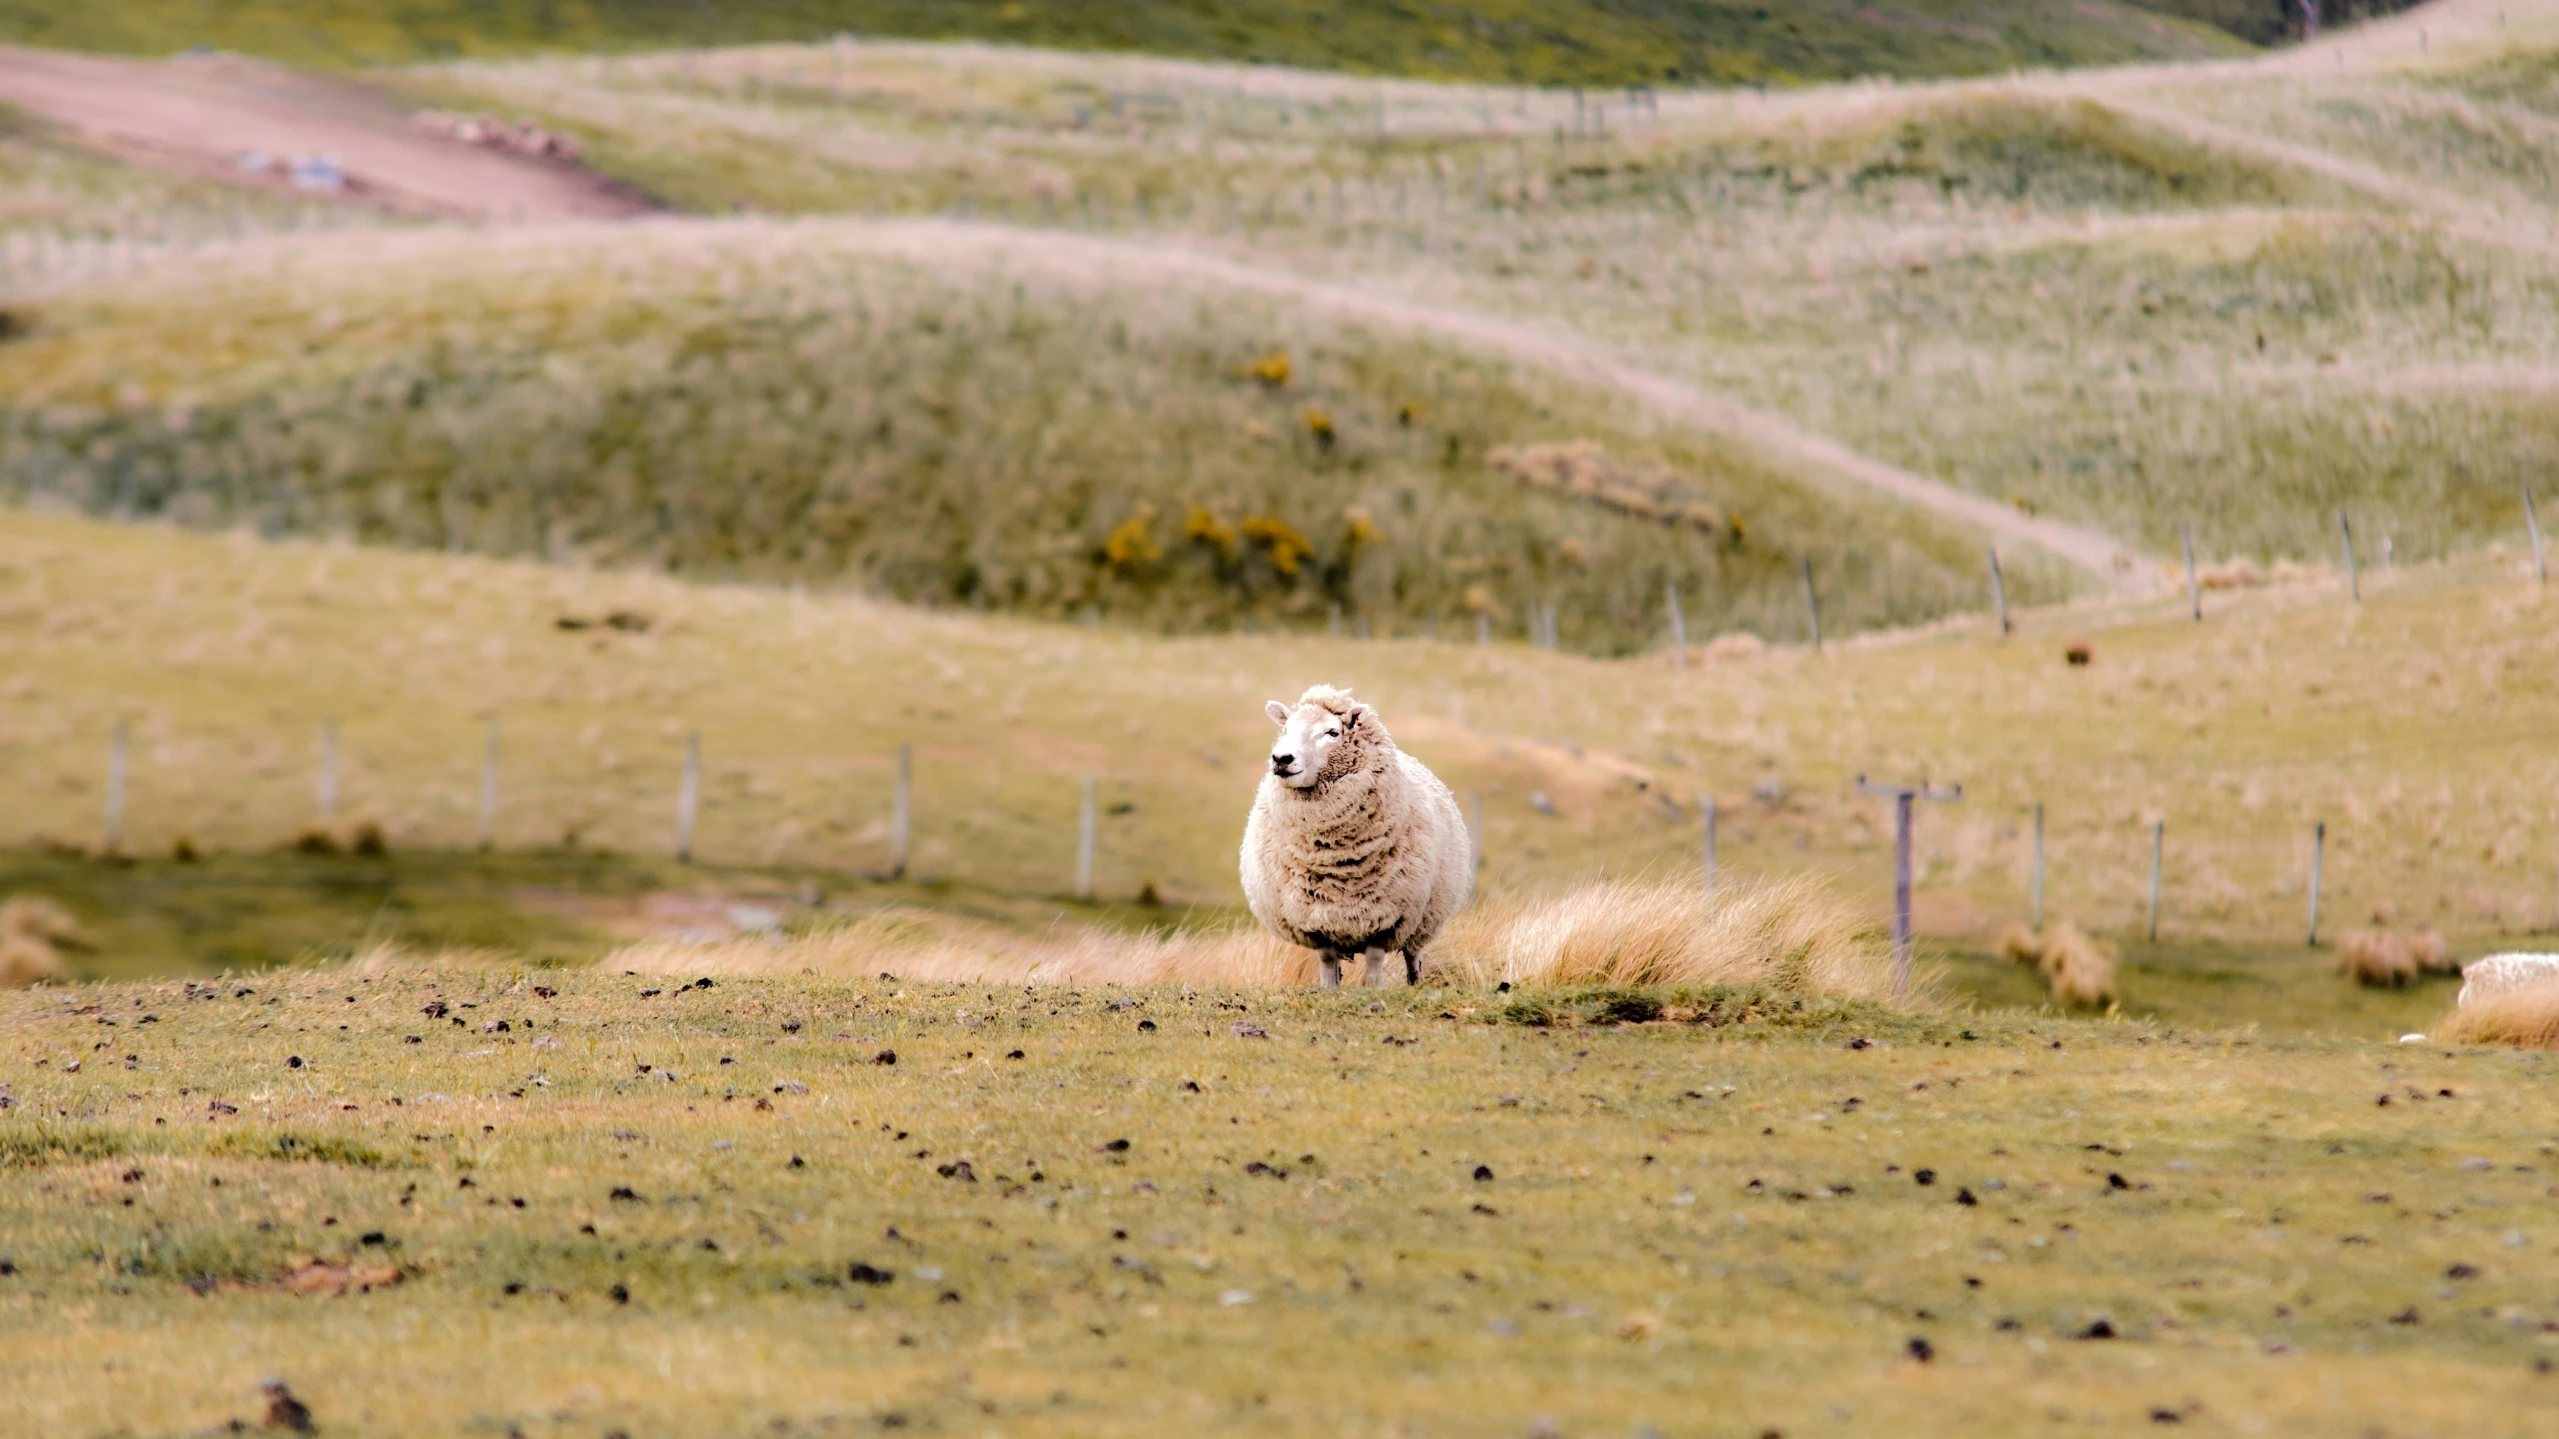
pixel 2081 970
pixel 923 945
pixel 2375 957
pixel 33 934
pixel 2526 1018
pixel 1792 934
pixel 2431 953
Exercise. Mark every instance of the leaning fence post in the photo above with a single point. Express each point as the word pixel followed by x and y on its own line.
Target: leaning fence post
pixel 2532 522
pixel 2346 534
pixel 118 765
pixel 1084 839
pixel 2318 852
pixel 688 797
pixel 2194 591
pixel 1812 604
pixel 1711 816
pixel 2158 845
pixel 902 811
pixel 489 788
pixel 2039 866
pixel 1903 797
pixel 1998 590
pixel 328 771
pixel 1678 626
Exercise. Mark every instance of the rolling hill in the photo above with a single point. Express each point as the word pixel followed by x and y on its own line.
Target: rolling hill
pixel 1580 42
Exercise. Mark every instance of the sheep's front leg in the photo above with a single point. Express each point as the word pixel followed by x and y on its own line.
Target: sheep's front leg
pixel 1412 968
pixel 1332 970
pixel 1375 962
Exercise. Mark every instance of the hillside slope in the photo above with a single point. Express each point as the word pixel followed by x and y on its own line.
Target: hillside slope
pixel 1575 42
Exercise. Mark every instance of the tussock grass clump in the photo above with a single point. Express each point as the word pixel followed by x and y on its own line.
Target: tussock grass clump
pixel 2080 969
pixel 2526 1018
pixel 1791 934
pixel 2376 959
pixel 33 934
pixel 1789 937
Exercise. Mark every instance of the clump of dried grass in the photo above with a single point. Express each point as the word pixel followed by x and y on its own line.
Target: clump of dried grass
pixel 1788 934
pixel 1792 934
pixel 921 945
pixel 2525 1018
pixel 2429 952
pixel 2080 969
pixel 2375 958
pixel 33 934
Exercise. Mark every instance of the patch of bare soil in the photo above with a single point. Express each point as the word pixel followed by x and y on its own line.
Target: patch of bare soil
pixel 203 115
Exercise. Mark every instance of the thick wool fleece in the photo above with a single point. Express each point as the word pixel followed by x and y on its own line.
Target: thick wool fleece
pixel 1374 855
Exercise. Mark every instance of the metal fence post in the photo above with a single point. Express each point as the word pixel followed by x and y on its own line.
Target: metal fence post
pixel 1084 823
pixel 688 797
pixel 902 811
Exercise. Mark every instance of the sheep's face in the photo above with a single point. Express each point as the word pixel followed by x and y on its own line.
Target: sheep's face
pixel 1310 739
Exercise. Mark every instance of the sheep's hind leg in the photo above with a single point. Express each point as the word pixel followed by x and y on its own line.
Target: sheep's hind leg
pixel 1332 970
pixel 1375 962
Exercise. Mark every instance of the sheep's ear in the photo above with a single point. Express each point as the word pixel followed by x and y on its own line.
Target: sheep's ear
pixel 1278 713
pixel 1356 713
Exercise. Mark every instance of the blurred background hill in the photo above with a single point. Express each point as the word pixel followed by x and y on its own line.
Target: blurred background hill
pixel 1567 42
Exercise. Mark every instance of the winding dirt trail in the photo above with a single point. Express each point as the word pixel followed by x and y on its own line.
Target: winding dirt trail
pixel 1812 456
pixel 199 114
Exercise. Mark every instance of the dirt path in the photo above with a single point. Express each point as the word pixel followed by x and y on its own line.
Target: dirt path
pixel 1773 437
pixel 199 115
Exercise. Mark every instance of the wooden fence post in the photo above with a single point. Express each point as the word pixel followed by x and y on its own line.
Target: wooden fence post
pixel 2318 853
pixel 489 788
pixel 328 771
pixel 2194 591
pixel 1904 797
pixel 2532 522
pixel 2346 534
pixel 119 751
pixel 2158 846
pixel 1998 590
pixel 1712 814
pixel 2039 866
pixel 1812 604
pixel 1084 823
pixel 688 797
pixel 1678 626
pixel 902 811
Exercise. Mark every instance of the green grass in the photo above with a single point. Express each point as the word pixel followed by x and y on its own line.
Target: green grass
pixel 791 404
pixel 1678 1221
pixel 1579 43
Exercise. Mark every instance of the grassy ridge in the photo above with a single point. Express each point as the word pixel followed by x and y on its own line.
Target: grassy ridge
pixel 1583 42
pixel 777 403
pixel 634 1206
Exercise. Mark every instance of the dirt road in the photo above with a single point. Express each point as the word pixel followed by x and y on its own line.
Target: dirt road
pixel 199 115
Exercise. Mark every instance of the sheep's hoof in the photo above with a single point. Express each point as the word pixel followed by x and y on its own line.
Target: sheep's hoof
pixel 1332 974
pixel 1412 970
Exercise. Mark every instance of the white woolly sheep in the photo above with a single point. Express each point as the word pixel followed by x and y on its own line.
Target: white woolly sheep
pixel 2493 975
pixel 1353 846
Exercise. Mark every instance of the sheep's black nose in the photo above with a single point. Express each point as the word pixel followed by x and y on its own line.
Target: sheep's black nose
pixel 1281 764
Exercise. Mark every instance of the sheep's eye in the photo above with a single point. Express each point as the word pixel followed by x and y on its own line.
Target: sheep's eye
pixel 1332 734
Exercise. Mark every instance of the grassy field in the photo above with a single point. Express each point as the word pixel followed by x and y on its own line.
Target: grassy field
pixel 653 1210
pixel 2411 724
pixel 2235 297
pixel 1577 42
